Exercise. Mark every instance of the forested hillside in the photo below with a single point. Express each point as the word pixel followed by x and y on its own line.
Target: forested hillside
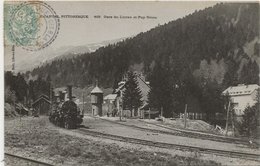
pixel 217 35
pixel 204 52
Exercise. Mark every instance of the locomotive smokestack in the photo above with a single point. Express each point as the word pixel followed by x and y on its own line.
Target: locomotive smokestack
pixel 70 92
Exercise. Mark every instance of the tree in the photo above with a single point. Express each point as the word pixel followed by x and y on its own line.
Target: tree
pixel 20 87
pixel 132 94
pixel 257 99
pixel 16 88
pixel 211 99
pixel 250 73
pixel 9 96
pixel 248 125
pixel 160 95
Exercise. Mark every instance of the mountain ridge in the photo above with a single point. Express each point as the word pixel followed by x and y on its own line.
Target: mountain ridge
pixel 65 52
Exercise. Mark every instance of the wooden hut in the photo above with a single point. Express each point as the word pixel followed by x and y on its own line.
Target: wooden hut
pixel 42 105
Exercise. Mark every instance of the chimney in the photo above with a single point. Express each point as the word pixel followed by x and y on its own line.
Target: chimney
pixel 69 92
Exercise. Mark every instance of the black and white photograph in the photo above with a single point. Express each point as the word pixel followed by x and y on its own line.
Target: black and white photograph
pixel 131 83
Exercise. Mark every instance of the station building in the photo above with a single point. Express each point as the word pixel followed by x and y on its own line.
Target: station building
pixel 242 96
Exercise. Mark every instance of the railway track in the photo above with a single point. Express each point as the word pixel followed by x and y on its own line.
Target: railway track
pixel 233 154
pixel 189 134
pixel 28 160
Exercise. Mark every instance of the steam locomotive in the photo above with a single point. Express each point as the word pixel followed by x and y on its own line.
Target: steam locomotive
pixel 65 114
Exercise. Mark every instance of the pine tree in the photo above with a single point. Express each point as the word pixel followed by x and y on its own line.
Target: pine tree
pixel 132 94
pixel 249 73
pixel 20 87
pixel 230 79
pixel 160 95
pixel 248 126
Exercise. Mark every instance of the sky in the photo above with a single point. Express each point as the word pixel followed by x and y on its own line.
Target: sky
pixel 79 32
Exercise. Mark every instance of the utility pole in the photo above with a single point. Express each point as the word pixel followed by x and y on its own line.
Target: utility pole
pixel 185 116
pixel 83 104
pixel 232 121
pixel 13 58
pixel 121 112
pixel 227 117
pixel 50 93
pixel 149 113
pixel 120 109
pixel 13 97
pixel 51 97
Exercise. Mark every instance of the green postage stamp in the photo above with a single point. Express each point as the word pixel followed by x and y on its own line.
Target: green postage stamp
pixel 31 25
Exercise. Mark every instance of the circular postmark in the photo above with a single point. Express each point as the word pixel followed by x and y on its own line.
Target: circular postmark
pixel 33 25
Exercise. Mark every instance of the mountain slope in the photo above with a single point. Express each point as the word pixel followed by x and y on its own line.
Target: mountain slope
pixel 219 44
pixel 49 55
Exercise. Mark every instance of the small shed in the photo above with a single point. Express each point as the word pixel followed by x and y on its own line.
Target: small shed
pixel 111 98
pixel 42 105
pixel 96 101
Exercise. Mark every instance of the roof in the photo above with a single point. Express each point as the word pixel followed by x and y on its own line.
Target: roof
pixel 144 87
pixel 96 90
pixel 241 89
pixel 151 112
pixel 20 106
pixel 45 96
pixel 121 86
pixel 41 98
pixel 110 97
pixel 142 84
pixel 147 83
pixel 145 106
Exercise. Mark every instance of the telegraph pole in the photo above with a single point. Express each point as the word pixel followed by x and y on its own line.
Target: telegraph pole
pixel 13 58
pixel 121 110
pixel 149 113
pixel 51 90
pixel 83 104
pixel 227 117
pixel 51 100
pixel 185 116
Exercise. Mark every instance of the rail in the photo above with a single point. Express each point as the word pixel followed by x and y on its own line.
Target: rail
pixel 28 159
pixel 226 153
pixel 183 133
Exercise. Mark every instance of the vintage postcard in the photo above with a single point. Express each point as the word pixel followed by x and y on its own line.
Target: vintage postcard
pixel 131 83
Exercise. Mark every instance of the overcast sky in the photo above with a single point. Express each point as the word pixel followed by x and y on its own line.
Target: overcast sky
pixel 83 31
pixel 78 32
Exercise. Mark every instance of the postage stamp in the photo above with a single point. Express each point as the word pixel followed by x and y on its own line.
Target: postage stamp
pixel 32 25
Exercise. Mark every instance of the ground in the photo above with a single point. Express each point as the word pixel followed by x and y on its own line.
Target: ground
pixel 38 139
pixel 116 129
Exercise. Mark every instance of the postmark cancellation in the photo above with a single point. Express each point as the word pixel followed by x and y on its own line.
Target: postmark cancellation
pixel 31 25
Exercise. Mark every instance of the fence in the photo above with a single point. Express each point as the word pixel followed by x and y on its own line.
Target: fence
pixel 192 115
